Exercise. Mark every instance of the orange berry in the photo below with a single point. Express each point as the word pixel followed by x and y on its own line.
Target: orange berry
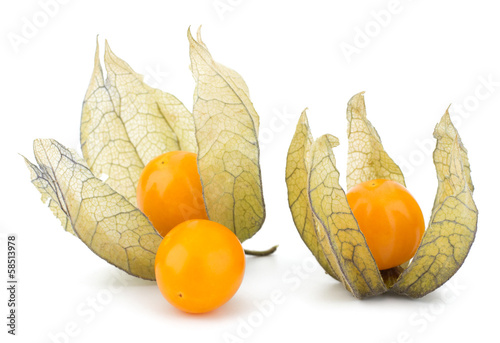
pixel 199 265
pixel 390 219
pixel 169 190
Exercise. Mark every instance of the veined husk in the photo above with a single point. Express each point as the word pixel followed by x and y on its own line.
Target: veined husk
pixel 126 123
pixel 326 224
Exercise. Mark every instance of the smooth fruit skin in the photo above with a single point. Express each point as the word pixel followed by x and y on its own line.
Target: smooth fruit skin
pixel 390 219
pixel 199 266
pixel 169 190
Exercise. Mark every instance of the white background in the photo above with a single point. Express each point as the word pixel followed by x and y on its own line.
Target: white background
pixel 412 65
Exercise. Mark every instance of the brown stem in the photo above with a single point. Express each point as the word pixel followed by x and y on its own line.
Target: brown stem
pixel 261 253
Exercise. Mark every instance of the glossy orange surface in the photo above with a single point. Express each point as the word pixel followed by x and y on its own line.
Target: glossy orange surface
pixel 169 190
pixel 199 266
pixel 390 219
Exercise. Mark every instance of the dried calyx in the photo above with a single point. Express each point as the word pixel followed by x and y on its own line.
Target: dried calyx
pixel 326 224
pixel 126 123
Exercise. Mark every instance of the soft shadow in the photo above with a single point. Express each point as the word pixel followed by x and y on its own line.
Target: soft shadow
pixel 262 264
pixel 334 292
pixel 430 298
pixel 232 309
pixel 104 277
